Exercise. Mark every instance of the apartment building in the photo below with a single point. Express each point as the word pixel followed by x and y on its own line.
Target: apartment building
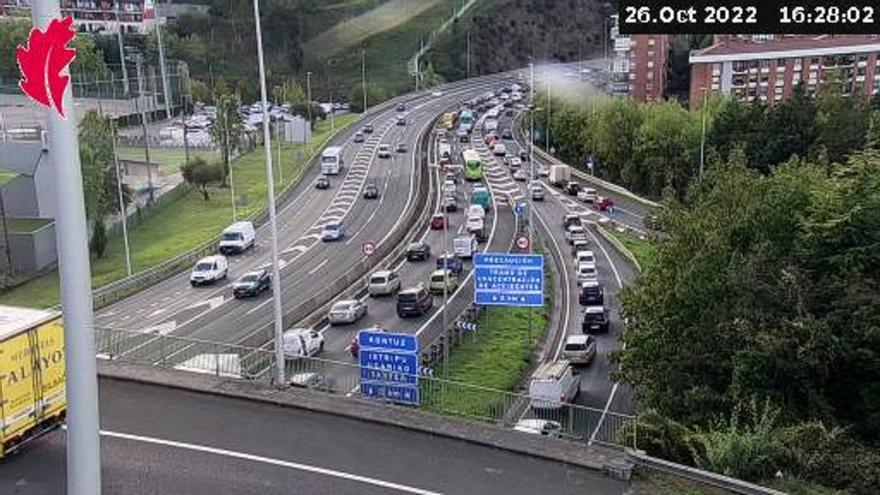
pixel 639 64
pixel 134 16
pixel 767 69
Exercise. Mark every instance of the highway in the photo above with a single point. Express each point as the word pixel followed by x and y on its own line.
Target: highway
pixel 160 440
pixel 308 265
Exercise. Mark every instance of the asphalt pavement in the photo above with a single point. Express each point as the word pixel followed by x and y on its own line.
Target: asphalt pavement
pixel 160 440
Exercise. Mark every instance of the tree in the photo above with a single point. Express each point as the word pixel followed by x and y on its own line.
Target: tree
pixel 96 135
pixel 841 121
pixel 201 174
pixel 14 32
pixel 375 94
pixel 201 92
pixel 227 131
pixel 791 127
pixel 666 150
pixel 617 124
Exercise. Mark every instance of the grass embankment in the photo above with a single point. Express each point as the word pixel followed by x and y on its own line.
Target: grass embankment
pixel 387 52
pixel 642 249
pixel 497 357
pixel 654 483
pixel 179 225
pixel 169 159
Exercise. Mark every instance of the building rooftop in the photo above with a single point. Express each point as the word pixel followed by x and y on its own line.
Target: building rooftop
pixel 801 46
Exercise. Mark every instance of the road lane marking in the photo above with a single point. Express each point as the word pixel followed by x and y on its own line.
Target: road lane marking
pixel 321 265
pixel 270 461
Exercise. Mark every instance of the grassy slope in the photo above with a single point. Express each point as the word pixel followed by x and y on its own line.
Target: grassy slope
pixel 176 227
pixel 169 159
pixel 643 250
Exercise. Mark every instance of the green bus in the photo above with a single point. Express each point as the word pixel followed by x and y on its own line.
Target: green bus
pixel 473 165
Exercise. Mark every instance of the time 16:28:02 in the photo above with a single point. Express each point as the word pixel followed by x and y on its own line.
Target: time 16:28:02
pixel 831 14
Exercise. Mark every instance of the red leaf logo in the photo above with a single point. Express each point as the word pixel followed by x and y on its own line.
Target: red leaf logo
pixel 42 62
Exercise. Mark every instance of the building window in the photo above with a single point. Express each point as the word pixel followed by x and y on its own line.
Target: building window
pixel 764 64
pixel 650 54
pixel 742 66
pixel 650 64
pixel 780 62
pixel 651 42
pixel 814 61
pixel 716 67
pixel 650 75
pixel 740 80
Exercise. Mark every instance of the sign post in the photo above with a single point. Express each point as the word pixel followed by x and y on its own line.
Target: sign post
pixel 389 366
pixel 368 248
pixel 503 279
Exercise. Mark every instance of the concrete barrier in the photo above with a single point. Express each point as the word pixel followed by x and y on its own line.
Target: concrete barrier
pixel 733 485
pixel 623 250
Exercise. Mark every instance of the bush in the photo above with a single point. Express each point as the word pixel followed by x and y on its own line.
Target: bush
pixel 664 438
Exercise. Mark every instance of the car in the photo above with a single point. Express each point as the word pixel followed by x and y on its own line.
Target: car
pixel 436 94
pixel 371 191
pixel 499 150
pixel 524 155
pixel 585 256
pixel 332 231
pixel 310 380
pixel 570 219
pixel 586 272
pixel 438 221
pixel 595 319
pixel 579 349
pixel 252 284
pixel 489 138
pixel 322 182
pixel 384 151
pixel 520 175
pixel 401 120
pixel 383 283
pixel 368 129
pixel 537 192
pixel 543 427
pixel 346 312
pixel 592 294
pixel 450 262
pixel 463 135
pixel 474 224
pixel 506 133
pixel 414 301
pixel 579 245
pixel 401 148
pixel 575 232
pixel 401 107
pixel 443 280
pixel 514 163
pixel 449 204
pixel 603 203
pixel 209 270
pixel 509 112
pixel 237 238
pixel 359 137
pixel 417 251
pixel 301 342
pixel 572 188
pixel 476 211
pixel 542 171
pixel 587 195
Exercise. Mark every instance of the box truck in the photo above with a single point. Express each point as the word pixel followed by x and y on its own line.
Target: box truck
pixel 559 175
pixel 32 394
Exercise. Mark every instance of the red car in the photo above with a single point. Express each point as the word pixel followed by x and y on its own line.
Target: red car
pixel 438 222
pixel 602 203
pixel 489 139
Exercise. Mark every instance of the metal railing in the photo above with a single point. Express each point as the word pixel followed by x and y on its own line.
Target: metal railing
pixel 507 409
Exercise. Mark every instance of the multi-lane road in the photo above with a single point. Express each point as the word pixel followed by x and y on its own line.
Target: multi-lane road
pixel 159 440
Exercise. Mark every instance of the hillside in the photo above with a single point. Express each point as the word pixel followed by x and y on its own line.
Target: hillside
pixel 505 33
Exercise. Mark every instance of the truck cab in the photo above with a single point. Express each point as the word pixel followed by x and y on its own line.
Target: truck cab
pixel 331 160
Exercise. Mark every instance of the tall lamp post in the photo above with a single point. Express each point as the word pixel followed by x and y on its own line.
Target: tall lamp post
pixel 71 232
pixel 273 227
pixel 703 133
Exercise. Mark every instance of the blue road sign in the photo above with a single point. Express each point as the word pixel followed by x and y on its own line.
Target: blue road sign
pixel 518 209
pixel 403 395
pixel 503 279
pixel 389 367
pixel 388 342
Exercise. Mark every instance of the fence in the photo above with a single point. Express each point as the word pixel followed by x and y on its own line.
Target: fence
pixel 507 409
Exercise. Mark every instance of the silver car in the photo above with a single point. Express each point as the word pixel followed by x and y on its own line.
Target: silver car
pixel 344 312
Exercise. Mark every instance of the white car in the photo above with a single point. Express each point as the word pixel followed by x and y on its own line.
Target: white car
pixel 587 195
pixel 545 427
pixel 584 257
pixel 384 151
pixel 514 162
pixel 587 273
pixel 348 311
pixel 476 211
pixel 333 231
pixel 499 150
pixel 301 342
pixel 575 233
pixel 383 283
pixel 209 270
pixel 474 224
pixel 579 349
pixel 520 175
pixel 542 171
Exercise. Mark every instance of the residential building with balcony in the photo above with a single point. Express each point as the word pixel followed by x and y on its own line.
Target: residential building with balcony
pixel 639 65
pixel 134 16
pixel 768 69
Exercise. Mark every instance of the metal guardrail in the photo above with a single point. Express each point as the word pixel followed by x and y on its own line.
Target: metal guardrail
pixel 644 461
pixel 445 397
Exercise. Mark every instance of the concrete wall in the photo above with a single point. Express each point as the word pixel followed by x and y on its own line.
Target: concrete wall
pixel 32 252
pixel 19 198
pixel 44 187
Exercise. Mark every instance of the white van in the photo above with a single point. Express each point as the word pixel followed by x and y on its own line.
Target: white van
pixel 209 270
pixel 587 272
pixel 579 349
pixel 476 211
pixel 553 385
pixel 331 160
pixel 301 342
pixel 237 238
pixel 383 283
pixel 464 246
pixel 575 233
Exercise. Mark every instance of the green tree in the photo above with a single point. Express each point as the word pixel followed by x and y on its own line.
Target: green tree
pixel 617 125
pixel 375 94
pixel 841 121
pixel 201 174
pixel 227 131
pixel 666 150
pixel 791 128
pixel 14 32
pixel 96 135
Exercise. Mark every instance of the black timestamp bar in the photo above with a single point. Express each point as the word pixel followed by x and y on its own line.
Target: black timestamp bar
pixel 749 17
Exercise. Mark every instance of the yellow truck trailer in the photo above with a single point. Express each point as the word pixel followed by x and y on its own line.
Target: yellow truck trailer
pixel 32 375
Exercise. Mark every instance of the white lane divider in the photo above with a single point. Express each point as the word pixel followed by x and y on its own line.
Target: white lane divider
pixel 204 449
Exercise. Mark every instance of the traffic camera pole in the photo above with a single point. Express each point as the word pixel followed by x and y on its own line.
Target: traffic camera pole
pixel 270 181
pixel 71 234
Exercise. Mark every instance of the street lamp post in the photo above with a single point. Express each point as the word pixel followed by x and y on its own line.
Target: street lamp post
pixel 703 134
pixel 273 227
pixel 166 92
pixel 71 232
pixel 364 75
pixel 122 208
pixel 121 50
pixel 139 103
pixel 309 106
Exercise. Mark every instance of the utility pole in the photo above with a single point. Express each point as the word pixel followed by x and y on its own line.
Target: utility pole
pixel 122 208
pixel 273 227
pixel 231 175
pixel 703 137
pixel 547 78
pixel 183 107
pixel 531 179
pixel 139 104
pixel 166 93
pixel 121 51
pixel 309 107
pixel 71 233
pixel 468 52
pixel 364 75
pixel 332 109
